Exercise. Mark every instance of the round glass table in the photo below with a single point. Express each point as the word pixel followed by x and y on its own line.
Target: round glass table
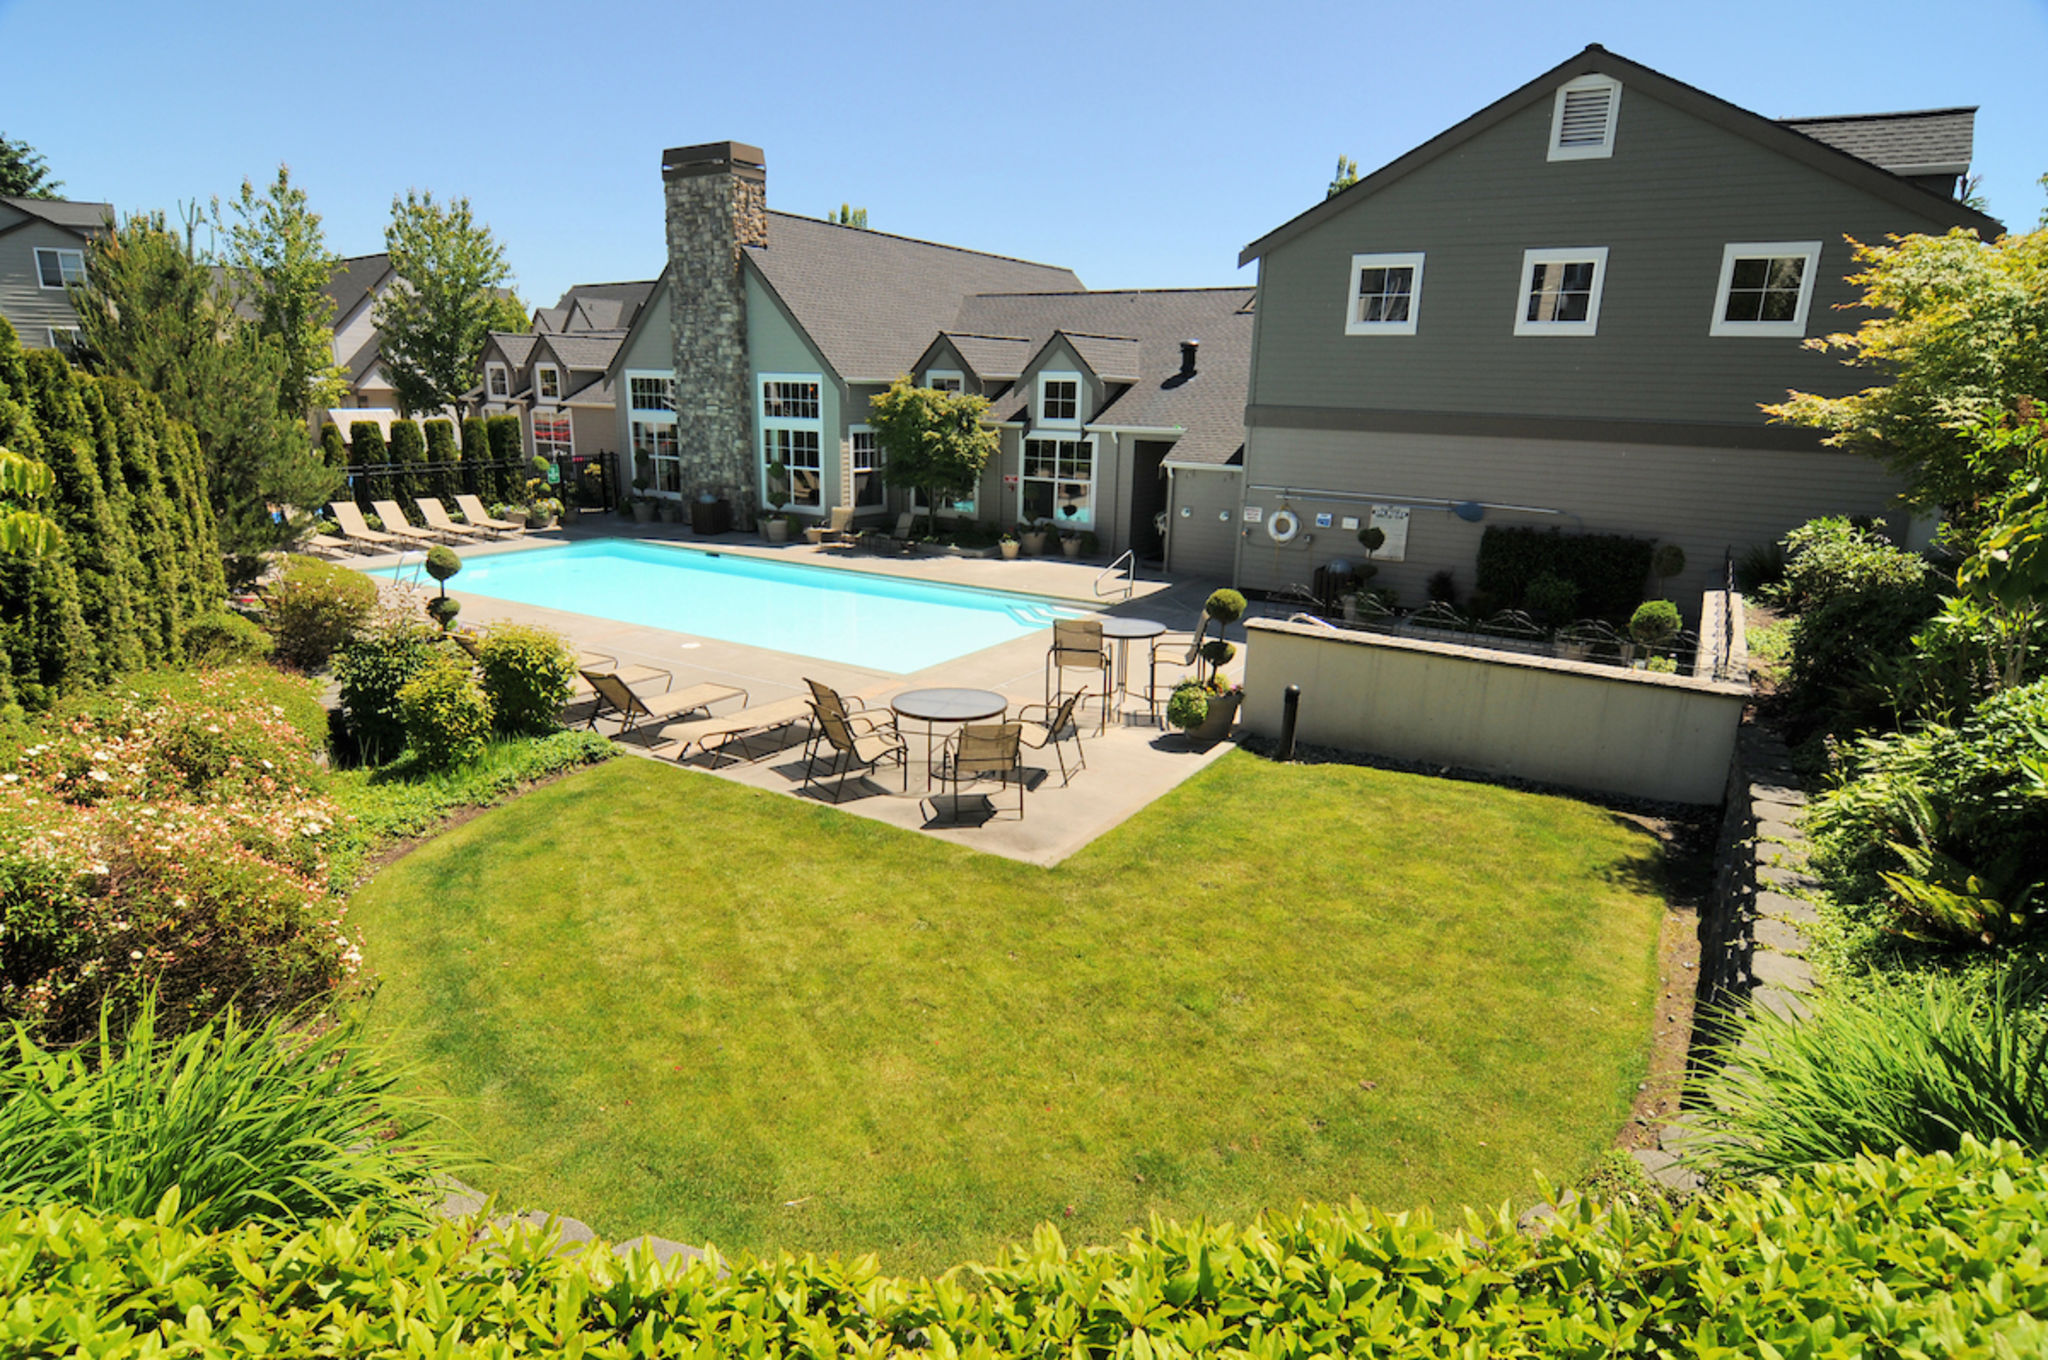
pixel 945 705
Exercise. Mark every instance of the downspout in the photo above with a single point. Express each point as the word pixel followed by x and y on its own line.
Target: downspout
pixel 1172 514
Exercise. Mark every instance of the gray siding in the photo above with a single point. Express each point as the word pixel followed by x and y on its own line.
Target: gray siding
pixel 776 344
pixel 31 308
pixel 648 348
pixel 1203 541
pixel 1676 191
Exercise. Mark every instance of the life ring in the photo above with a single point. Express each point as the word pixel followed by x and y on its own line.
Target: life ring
pixel 1282 526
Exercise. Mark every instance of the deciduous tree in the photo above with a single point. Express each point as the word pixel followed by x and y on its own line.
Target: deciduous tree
pixel 932 440
pixel 278 262
pixel 450 294
pixel 24 173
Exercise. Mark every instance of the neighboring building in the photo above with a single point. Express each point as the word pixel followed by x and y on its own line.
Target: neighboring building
pixel 555 377
pixel 768 334
pixel 42 253
pixel 1566 310
pixel 354 287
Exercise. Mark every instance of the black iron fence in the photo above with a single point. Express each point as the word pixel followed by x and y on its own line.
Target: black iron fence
pixel 589 481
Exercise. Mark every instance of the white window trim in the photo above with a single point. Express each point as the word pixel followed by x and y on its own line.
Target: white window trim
pixel 61 337
pixel 853 471
pixel 1585 153
pixel 1361 263
pixel 502 371
pixel 563 419
pixel 652 420
pixel 1749 250
pixel 1080 400
pixel 1066 435
pixel 1569 255
pixel 539 395
pixel 764 422
pixel 953 373
pixel 60 252
pixel 665 375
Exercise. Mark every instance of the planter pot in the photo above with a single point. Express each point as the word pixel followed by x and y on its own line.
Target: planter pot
pixel 775 530
pixel 1034 542
pixel 1010 548
pixel 540 521
pixel 517 515
pixel 1216 725
pixel 643 511
pixel 671 513
pixel 1071 547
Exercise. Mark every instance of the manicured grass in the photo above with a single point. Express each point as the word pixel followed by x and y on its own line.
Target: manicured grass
pixel 671 1004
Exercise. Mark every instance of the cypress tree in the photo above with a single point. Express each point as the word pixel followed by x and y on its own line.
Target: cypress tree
pixel 408 450
pixel 149 609
pixel 94 537
pixel 443 456
pixel 476 456
pixel 333 449
pixel 152 517
pixel 42 630
pixel 507 482
pixel 366 450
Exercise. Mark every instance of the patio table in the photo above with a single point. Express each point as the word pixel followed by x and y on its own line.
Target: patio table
pixel 1124 632
pixel 946 705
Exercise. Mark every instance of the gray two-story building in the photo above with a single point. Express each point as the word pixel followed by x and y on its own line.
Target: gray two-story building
pixel 43 244
pixel 1567 310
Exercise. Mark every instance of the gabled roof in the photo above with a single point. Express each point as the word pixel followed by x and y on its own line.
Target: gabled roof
pixel 1142 330
pixel 74 215
pixel 1818 154
pixel 870 301
pixel 583 350
pixel 1114 358
pixel 602 306
pixel 353 280
pixel 516 346
pixel 550 318
pixel 1919 142
pixel 992 357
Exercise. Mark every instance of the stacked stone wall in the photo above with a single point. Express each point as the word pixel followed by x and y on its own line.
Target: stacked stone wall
pixel 711 217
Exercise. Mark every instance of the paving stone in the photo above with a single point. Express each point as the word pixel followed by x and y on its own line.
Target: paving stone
pixel 1772 969
pixel 1779 877
pixel 1778 831
pixel 1779 1002
pixel 1776 791
pixel 1782 907
pixel 664 1250
pixel 1664 1168
pixel 1779 936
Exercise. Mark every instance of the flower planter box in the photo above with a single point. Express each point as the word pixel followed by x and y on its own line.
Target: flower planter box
pixel 643 511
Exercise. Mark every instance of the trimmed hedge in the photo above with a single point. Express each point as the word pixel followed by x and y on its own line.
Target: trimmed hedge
pixel 476 452
pixel 507 451
pixel 1884 1256
pixel 1608 569
pixel 446 479
pixel 366 448
pixel 408 448
pixel 333 448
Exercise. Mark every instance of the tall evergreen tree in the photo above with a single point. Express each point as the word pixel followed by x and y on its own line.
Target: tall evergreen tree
pixel 24 173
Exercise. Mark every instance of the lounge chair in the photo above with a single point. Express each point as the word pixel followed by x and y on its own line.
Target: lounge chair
pixel 839 529
pixel 391 512
pixel 982 751
pixel 436 516
pixel 852 708
pixel 715 737
pixel 473 510
pixel 632 707
pixel 853 749
pixel 1056 728
pixel 1077 645
pixel 355 528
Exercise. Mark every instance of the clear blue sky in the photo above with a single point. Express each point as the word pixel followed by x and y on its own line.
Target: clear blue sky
pixel 1142 145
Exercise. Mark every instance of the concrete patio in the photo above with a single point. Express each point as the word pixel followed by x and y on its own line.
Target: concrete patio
pixel 1134 761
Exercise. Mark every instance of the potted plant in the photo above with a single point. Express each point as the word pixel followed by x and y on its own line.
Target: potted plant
pixel 643 506
pixel 1009 546
pixel 1654 624
pixel 1033 536
pixel 513 514
pixel 670 509
pixel 543 513
pixel 774 519
pixel 1204 706
pixel 1070 544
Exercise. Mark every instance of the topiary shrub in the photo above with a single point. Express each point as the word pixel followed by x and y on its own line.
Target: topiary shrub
pixel 443 563
pixel 443 609
pixel 1655 623
pixel 1225 606
pixel 333 449
pixel 446 713
pixel 366 449
pixel 1189 705
pixel 1668 561
pixel 315 609
pixel 225 638
pixel 372 670
pixel 527 674
pixel 1218 653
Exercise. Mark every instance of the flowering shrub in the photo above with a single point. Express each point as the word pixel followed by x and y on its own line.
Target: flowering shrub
pixel 171 838
pixel 315 608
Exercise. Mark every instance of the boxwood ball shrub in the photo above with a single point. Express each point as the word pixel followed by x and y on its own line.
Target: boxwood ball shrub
pixel 443 563
pixel 527 674
pixel 372 670
pixel 443 609
pixel 315 608
pixel 225 638
pixel 1655 623
pixel 1225 606
pixel 1667 561
pixel 446 713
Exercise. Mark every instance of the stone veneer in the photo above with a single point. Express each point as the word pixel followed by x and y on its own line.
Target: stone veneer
pixel 717 201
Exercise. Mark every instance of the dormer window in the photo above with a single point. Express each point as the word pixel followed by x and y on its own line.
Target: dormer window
pixel 1583 119
pixel 1059 398
pixel 547 381
pixel 945 380
pixel 497 381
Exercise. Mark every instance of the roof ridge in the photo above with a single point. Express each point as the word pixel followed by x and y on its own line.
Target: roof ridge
pixel 1873 117
pixel 919 241
pixel 1126 292
pixel 983 335
pixel 1093 335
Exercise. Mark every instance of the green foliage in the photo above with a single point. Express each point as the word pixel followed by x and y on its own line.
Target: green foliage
pixel 221 637
pixel 933 441
pixel 372 670
pixel 1856 599
pixel 25 531
pixel 1958 331
pixel 1608 569
pixel 476 452
pixel 315 608
pixel 1551 598
pixel 1880 1256
pixel 1225 606
pixel 1759 570
pixel 367 449
pixel 1372 538
pixel 234 1122
pixel 849 216
pixel 1346 176
pixel 279 266
pixel 1218 653
pixel 408 450
pixel 435 323
pixel 527 674
pixel 1655 622
pixel 1188 705
pixel 333 448
pixel 446 713
pixel 445 481
pixel 442 562
pixel 24 173
pixel 504 437
pixel 443 610
pixel 2005 574
pixel 1668 561
pixel 1919 1067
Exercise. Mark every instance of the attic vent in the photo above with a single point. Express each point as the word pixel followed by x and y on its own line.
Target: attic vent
pixel 1582 123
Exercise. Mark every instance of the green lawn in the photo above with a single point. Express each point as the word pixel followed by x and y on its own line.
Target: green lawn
pixel 667 1003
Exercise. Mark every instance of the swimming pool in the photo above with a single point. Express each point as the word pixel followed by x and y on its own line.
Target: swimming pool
pixel 875 622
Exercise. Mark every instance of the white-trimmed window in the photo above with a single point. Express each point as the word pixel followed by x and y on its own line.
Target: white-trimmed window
pixel 547 382
pixel 651 417
pixel 864 461
pixel 945 380
pixel 56 268
pixel 553 436
pixel 1561 291
pixel 792 434
pixel 1059 399
pixel 497 382
pixel 1386 291
pixel 63 338
pixel 1766 288
pixel 1058 482
pixel 1583 120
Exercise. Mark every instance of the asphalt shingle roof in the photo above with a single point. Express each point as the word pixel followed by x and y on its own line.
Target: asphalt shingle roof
pixel 871 301
pixel 1920 142
pixel 584 349
pixel 517 346
pixel 353 279
pixel 993 356
pixel 73 214
pixel 1113 357
pixel 1208 406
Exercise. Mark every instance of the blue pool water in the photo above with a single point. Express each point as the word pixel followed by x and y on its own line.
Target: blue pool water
pixel 875 622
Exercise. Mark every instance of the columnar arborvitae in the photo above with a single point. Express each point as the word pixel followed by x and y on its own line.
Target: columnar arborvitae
pixel 333 448
pixel 408 450
pixel 508 454
pixel 153 517
pixel 443 455
pixel 99 543
pixel 476 456
pixel 366 450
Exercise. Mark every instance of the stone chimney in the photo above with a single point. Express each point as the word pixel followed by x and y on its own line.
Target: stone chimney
pixel 717 197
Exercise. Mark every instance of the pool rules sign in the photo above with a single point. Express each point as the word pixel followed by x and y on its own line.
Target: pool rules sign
pixel 1391 520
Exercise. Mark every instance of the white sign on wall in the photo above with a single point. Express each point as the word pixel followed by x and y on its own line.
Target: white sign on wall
pixel 1253 514
pixel 1391 520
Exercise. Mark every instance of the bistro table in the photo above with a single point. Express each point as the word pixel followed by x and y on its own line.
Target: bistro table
pixel 934 706
pixel 1123 632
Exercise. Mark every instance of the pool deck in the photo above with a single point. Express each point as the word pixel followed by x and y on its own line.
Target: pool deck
pixel 1131 764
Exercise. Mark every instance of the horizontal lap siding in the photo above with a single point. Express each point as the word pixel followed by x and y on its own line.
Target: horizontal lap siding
pixel 1674 193
pixel 31 308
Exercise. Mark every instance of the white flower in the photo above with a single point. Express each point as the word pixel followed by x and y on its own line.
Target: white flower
pixel 135 953
pixel 98 776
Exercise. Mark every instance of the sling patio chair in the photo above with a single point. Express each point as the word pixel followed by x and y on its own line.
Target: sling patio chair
pixel 436 515
pixel 1055 729
pixel 1077 645
pixel 391 512
pixel 473 510
pixel 981 751
pixel 853 749
pixel 1175 656
pixel 852 707
pixel 356 528
pixel 633 707
pixel 716 737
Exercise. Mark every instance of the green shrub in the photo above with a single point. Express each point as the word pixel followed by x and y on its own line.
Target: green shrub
pixel 408 450
pixel 443 609
pixel 1608 569
pixel 1667 561
pixel 244 1122
pixel 372 670
pixel 1883 1257
pixel 225 638
pixel 1443 587
pixel 476 456
pixel 1655 623
pixel 442 562
pixel 506 442
pixel 333 449
pixel 1918 1066
pixel 366 449
pixel 447 715
pixel 1856 598
pixel 1225 606
pixel 527 674
pixel 315 608
pixel 1552 599
pixel 1188 706
pixel 1760 572
pixel 445 481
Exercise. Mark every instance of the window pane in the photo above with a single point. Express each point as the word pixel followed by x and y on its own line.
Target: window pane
pixel 1780 306
pixel 1561 291
pixel 1749 273
pixel 1744 306
pixel 1371 281
pixel 1785 273
pixel 48 269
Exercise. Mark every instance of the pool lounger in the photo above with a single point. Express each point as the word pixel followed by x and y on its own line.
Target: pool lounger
pixel 630 707
pixel 713 736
